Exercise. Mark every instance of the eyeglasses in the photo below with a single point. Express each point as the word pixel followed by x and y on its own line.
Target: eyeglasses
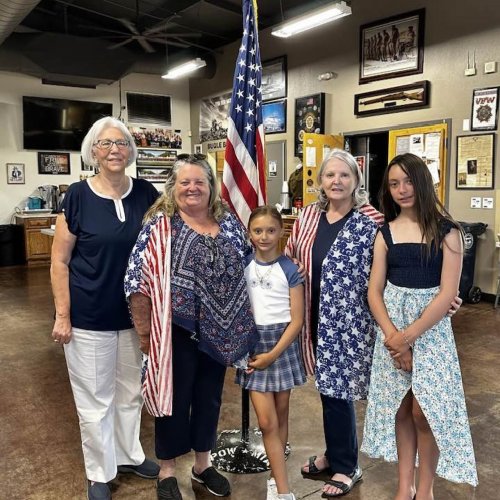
pixel 108 143
pixel 188 156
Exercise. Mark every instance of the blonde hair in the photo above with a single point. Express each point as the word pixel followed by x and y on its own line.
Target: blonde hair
pixel 166 202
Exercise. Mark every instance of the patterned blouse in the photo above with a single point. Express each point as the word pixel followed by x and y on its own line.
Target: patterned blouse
pixel 221 317
pixel 346 334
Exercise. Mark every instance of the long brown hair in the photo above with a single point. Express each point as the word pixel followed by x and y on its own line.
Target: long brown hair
pixel 429 210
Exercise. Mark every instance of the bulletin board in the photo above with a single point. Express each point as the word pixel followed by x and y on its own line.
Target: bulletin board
pixel 430 143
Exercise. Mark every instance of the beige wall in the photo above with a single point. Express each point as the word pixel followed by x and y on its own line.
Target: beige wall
pixel 452 28
pixel 14 86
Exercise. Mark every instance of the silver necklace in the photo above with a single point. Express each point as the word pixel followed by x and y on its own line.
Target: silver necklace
pixel 262 279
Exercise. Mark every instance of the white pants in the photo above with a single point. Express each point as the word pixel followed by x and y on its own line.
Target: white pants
pixel 105 374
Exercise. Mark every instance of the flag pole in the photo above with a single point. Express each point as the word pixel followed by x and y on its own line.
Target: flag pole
pixel 244 188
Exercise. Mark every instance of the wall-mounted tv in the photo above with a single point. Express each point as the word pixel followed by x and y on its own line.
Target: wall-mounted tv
pixel 59 124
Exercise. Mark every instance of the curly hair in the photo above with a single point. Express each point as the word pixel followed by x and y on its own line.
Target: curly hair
pixel 166 202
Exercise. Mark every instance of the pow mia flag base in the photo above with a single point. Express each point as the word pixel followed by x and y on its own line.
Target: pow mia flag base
pixel 242 451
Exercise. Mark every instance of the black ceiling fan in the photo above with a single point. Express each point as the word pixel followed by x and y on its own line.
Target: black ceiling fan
pixel 155 34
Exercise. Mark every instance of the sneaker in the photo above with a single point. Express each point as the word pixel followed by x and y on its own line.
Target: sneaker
pixel 286 496
pixel 168 489
pixel 272 490
pixel 98 491
pixel 148 469
pixel 214 482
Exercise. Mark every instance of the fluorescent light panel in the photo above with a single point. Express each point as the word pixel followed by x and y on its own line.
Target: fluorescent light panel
pixel 313 19
pixel 185 68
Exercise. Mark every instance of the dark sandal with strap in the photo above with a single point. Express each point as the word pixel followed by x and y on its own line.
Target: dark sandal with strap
pixel 345 488
pixel 313 469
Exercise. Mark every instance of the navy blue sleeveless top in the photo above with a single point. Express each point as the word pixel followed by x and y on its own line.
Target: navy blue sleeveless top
pixel 408 264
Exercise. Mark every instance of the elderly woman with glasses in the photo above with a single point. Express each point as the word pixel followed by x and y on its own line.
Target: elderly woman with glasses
pixel 100 220
pixel 186 286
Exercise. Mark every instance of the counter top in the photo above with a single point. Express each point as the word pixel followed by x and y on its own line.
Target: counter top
pixel 29 215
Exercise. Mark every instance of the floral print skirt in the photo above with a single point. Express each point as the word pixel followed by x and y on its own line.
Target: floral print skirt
pixel 436 384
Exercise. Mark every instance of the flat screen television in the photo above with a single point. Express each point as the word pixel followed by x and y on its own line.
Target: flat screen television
pixel 59 124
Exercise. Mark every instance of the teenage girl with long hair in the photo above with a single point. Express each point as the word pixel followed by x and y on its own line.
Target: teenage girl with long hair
pixel 416 403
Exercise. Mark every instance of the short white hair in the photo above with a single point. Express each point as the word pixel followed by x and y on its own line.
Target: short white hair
pixel 96 130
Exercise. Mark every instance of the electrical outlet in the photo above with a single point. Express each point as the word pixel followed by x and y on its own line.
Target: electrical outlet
pixel 470 71
pixel 490 67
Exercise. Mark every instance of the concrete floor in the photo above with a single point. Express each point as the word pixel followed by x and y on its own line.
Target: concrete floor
pixel 41 457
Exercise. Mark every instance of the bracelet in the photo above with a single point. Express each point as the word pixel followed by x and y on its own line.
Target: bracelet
pixel 410 344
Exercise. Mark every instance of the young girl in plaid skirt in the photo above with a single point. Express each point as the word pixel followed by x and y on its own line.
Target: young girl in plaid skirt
pixel 276 293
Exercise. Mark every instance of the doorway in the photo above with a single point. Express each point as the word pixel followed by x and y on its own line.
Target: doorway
pixel 374 148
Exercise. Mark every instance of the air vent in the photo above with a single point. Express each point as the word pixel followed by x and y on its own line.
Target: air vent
pixel 150 109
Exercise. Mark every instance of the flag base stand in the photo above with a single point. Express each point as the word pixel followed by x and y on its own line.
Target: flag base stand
pixel 242 451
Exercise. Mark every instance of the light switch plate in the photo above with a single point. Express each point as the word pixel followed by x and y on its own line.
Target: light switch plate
pixel 475 202
pixel 488 203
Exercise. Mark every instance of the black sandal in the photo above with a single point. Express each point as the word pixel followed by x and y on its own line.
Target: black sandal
pixel 345 488
pixel 313 470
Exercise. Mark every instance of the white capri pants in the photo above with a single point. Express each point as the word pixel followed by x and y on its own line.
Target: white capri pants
pixel 105 374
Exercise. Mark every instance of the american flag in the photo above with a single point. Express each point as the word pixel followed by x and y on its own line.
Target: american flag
pixel 244 177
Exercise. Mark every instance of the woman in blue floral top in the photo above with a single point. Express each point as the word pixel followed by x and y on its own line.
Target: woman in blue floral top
pixel 187 291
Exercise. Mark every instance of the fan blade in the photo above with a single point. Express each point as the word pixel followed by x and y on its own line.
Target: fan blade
pixel 121 44
pixel 177 35
pixel 169 42
pixel 161 26
pixel 145 45
pixel 130 25
pixel 101 29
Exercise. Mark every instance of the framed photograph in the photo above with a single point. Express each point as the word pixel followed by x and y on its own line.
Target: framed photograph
pixel 274 79
pixel 198 149
pixel 309 117
pixel 274 116
pixel 54 163
pixel 392 100
pixel 156 175
pixel 15 173
pixel 155 157
pixel 484 115
pixel 392 47
pixel 476 161
pixel 148 137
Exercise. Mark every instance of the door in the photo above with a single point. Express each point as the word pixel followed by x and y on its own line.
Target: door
pixel 316 147
pixel 276 168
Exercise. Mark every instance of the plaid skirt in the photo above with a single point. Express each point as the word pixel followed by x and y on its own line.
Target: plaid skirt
pixel 284 374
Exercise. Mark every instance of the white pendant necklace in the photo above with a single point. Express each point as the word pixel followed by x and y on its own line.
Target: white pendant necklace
pixel 262 280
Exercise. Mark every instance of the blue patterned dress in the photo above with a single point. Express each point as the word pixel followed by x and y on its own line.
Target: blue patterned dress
pixel 435 381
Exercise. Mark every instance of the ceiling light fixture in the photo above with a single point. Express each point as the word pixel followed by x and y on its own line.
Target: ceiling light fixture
pixel 185 68
pixel 318 17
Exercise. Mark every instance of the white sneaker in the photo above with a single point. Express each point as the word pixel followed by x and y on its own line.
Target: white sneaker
pixel 272 490
pixel 286 496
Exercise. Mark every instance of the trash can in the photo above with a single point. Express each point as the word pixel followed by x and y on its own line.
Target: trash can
pixel 11 245
pixel 469 292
